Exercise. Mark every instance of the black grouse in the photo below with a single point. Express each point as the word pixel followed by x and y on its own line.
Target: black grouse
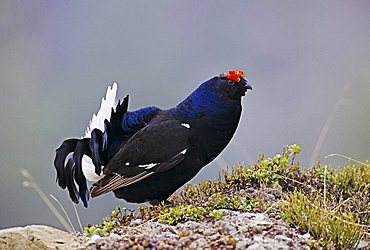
pixel 147 154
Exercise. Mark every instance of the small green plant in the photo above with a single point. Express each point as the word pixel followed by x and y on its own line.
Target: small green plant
pixel 217 214
pixel 182 213
pixel 102 230
pixel 266 174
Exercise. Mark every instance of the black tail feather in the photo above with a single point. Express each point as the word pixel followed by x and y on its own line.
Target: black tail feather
pixel 69 171
pixel 95 144
pixel 66 148
pixel 113 134
pixel 82 148
pixel 114 126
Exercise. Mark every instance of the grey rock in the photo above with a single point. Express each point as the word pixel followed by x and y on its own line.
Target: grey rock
pixel 242 244
pixel 256 246
pixel 95 238
pixel 283 239
pixel 269 243
pixel 136 222
pixel 199 243
pixel 209 231
pixel 363 244
pixel 114 236
pixel 306 236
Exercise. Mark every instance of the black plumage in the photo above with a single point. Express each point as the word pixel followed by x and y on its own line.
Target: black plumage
pixel 149 153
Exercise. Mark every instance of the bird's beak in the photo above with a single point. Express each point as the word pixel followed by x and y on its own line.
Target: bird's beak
pixel 244 88
pixel 248 86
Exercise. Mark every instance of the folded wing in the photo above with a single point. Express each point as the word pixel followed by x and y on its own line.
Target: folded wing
pixel 158 147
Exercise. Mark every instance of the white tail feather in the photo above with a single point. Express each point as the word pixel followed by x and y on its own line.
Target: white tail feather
pixel 107 103
pixel 97 121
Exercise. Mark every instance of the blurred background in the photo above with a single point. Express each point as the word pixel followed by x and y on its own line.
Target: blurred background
pixel 308 62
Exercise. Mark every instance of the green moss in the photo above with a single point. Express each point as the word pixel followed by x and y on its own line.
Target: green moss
pixel 182 213
pixel 217 214
pixel 102 230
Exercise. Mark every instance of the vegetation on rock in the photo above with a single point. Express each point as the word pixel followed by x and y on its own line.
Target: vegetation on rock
pixel 332 205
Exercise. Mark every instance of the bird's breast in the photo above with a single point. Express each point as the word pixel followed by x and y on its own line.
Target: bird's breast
pixel 210 135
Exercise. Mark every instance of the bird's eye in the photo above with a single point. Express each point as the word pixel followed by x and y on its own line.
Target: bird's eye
pixel 231 82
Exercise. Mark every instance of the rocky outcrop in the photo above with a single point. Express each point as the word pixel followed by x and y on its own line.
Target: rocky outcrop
pixel 37 237
pixel 235 230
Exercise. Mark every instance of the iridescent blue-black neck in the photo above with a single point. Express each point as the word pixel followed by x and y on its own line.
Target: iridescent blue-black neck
pixel 207 100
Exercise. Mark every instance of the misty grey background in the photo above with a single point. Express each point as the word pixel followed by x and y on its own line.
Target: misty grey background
pixel 58 57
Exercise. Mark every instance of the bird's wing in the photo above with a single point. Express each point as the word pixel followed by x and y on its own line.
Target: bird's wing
pixel 158 147
pixel 123 125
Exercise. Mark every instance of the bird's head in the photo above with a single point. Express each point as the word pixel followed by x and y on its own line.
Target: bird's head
pixel 220 94
pixel 233 84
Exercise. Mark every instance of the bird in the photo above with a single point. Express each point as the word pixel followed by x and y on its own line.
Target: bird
pixel 147 154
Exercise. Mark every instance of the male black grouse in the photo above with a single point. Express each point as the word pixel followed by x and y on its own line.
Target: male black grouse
pixel 147 154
